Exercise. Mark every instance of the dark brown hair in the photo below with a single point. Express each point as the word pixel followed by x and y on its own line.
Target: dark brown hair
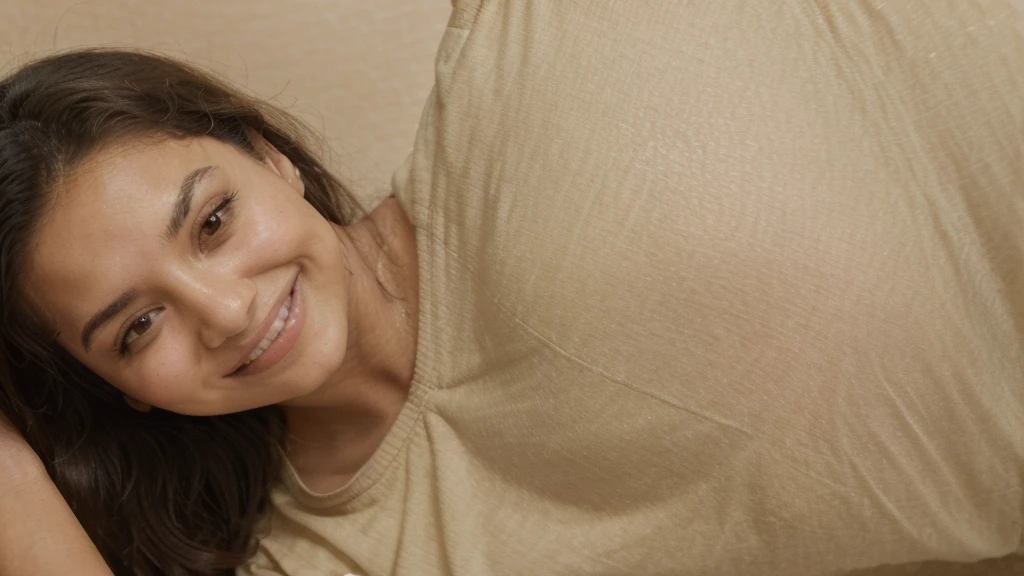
pixel 158 492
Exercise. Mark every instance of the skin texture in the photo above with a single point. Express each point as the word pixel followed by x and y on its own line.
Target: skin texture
pixel 209 289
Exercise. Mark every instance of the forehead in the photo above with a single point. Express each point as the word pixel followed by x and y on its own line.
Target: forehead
pixel 106 223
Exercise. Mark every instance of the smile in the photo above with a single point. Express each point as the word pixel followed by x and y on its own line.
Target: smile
pixel 281 334
pixel 275 330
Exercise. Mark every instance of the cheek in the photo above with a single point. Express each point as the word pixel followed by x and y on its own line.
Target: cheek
pixel 165 378
pixel 274 231
pixel 261 248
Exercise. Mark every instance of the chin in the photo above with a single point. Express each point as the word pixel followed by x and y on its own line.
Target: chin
pixel 318 367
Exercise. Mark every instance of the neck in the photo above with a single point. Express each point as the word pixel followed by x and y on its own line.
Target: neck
pixel 338 428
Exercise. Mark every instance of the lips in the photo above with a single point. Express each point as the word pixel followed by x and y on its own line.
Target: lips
pixel 270 330
pixel 274 332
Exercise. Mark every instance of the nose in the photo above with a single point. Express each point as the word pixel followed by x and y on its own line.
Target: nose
pixel 221 305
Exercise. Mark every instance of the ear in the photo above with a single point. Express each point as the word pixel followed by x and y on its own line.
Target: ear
pixel 276 161
pixel 137 405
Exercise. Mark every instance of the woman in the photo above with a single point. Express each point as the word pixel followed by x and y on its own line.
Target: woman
pixel 638 306
pixel 256 238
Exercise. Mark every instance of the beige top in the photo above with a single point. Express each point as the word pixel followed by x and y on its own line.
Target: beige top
pixel 706 288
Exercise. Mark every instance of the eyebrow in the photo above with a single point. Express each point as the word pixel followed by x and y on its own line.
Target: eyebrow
pixel 104 316
pixel 183 205
pixel 181 210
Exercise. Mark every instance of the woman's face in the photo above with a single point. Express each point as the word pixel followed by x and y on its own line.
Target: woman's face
pixel 166 265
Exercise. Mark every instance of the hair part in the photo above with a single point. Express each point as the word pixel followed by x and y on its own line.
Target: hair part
pixel 158 492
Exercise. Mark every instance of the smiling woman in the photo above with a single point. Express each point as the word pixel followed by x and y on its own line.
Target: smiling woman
pixel 215 254
pixel 169 242
pixel 707 288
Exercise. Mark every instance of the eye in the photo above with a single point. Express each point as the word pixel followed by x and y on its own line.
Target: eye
pixel 212 223
pixel 215 219
pixel 136 330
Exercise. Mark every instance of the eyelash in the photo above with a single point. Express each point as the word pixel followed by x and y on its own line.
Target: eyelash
pixel 221 207
pixel 122 348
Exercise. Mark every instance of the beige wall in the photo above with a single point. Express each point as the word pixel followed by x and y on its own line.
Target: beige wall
pixel 358 71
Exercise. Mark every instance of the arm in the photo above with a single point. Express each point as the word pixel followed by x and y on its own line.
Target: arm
pixel 39 535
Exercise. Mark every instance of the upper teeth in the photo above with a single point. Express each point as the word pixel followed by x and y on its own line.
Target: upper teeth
pixel 275 329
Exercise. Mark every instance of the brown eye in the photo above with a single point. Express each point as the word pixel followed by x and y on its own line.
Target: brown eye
pixel 141 325
pixel 136 330
pixel 212 223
